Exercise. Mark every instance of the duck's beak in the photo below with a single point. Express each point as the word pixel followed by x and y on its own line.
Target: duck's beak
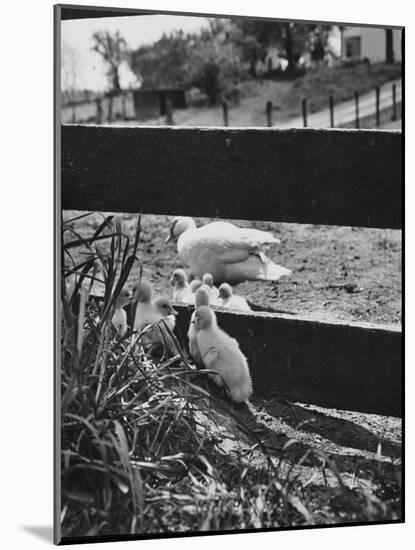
pixel 168 239
pixel 173 311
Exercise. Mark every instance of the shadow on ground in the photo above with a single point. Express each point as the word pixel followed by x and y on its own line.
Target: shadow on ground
pixel 43 532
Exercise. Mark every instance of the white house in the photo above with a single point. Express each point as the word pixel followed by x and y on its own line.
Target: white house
pixel 358 43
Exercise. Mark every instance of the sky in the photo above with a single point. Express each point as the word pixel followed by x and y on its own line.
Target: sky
pixel 136 30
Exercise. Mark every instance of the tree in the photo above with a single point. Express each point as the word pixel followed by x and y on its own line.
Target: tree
pixel 291 39
pixel 253 38
pixel 163 63
pixel 215 63
pixel 70 66
pixel 209 60
pixel 114 50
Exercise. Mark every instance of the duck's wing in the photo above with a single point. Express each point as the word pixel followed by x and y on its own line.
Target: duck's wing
pixel 231 244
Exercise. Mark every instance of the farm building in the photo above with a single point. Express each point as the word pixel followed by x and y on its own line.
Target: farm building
pixel 153 103
pixel 374 44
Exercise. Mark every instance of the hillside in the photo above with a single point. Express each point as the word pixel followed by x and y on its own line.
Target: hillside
pixel 286 95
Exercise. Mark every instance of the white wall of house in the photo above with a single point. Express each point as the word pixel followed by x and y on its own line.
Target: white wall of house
pixel 372 43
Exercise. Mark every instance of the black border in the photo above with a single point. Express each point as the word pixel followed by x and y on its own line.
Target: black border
pixel 74 11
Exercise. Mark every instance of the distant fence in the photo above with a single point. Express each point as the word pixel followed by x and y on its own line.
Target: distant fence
pixel 127 105
pixel 143 105
pixel 386 108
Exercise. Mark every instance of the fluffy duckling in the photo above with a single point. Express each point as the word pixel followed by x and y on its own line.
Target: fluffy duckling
pixel 221 353
pixel 165 310
pixel 119 319
pixel 181 288
pixel 149 311
pixel 230 253
pixel 156 341
pixel 201 299
pixel 228 299
pixel 145 312
pixel 195 284
pixel 207 279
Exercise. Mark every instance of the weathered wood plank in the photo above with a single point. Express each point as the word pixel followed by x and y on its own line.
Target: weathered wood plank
pixel 345 366
pixel 336 177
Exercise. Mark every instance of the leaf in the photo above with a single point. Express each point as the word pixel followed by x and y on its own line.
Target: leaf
pixel 79 496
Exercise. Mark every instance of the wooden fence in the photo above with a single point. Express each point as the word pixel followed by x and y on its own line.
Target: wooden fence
pixel 340 177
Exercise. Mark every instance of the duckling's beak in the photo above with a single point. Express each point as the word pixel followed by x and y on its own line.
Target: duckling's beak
pixel 173 311
pixel 168 239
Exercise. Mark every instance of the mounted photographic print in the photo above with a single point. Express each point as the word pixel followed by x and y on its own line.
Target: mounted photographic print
pixel 229 200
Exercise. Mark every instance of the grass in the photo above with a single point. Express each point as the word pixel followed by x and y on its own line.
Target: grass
pixel 146 447
pixel 286 95
pixel 340 82
pixel 385 120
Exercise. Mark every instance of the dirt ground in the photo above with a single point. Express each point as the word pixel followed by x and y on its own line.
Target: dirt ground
pixel 365 449
pixel 339 273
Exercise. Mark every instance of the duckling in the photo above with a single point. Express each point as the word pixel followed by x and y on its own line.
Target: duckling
pixel 149 311
pixel 165 310
pixel 220 352
pixel 145 312
pixel 201 299
pixel 207 279
pixel 156 341
pixel 195 284
pixel 119 319
pixel 230 253
pixel 228 299
pixel 181 288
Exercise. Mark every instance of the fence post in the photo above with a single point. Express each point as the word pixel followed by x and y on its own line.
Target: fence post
pixel 110 107
pixel 99 110
pixel 73 112
pixel 394 109
pixel 225 112
pixel 169 113
pixel 268 110
pixel 377 106
pixel 356 101
pixel 331 106
pixel 304 112
pixel 123 106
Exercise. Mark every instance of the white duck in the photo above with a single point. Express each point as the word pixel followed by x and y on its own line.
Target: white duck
pixel 221 353
pixel 181 288
pixel 207 280
pixel 201 299
pixel 228 299
pixel 149 311
pixel 231 254
pixel 119 319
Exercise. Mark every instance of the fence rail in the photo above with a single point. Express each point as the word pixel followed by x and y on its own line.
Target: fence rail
pixel 354 366
pixel 344 177
pixel 337 177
